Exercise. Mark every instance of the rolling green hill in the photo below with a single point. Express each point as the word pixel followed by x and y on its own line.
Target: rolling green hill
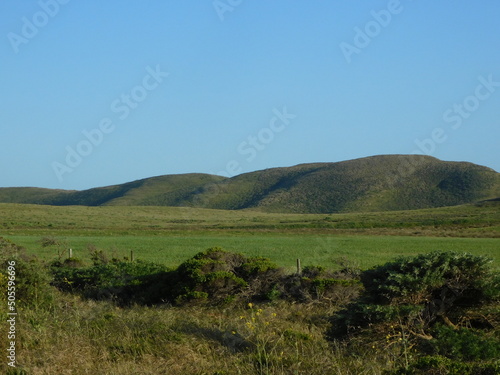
pixel 170 190
pixel 32 195
pixel 377 183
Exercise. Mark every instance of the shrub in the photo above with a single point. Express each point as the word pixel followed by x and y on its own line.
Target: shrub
pixel 318 283
pixel 419 292
pixel 97 256
pixel 213 275
pixel 72 263
pixel 49 241
pixel 33 284
pixel 445 275
pixel 264 278
pixel 9 249
pixel 313 271
pixel 254 267
pixel 127 282
pixel 220 275
pixel 463 344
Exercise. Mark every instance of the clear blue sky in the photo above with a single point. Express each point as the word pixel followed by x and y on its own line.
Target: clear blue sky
pixel 420 69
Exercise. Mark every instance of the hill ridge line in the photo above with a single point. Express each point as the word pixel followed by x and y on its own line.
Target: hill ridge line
pixel 375 183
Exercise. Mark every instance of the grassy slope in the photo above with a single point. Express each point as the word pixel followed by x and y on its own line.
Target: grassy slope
pixel 379 183
pixel 31 195
pixel 170 190
pixel 471 220
pixel 155 191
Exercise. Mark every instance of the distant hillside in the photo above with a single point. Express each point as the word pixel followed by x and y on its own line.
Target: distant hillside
pixel 378 183
pixel 31 195
pixel 170 190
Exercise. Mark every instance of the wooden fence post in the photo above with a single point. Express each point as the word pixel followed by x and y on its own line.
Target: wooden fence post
pixel 131 255
pixel 299 269
pixel 70 253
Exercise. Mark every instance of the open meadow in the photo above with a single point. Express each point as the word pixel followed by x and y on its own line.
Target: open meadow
pixel 170 235
pixel 100 313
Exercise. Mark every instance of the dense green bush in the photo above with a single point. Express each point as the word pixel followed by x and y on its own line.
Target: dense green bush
pixel 255 266
pixel 462 344
pixel 420 291
pixel 126 282
pixel 221 276
pixel 437 274
pixel 214 276
pixel 218 275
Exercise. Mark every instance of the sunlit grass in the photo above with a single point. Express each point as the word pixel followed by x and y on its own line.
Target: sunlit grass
pixel 282 249
pixel 80 337
pixel 170 235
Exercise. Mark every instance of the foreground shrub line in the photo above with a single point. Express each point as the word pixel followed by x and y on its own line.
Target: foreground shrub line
pixel 432 313
pixel 213 276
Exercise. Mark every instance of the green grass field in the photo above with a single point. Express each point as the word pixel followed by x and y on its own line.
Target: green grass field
pixel 171 235
pixel 282 249
pixel 70 334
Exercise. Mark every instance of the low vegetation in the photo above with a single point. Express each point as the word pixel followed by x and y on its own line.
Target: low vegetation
pixel 214 276
pixel 220 312
pixel 474 220
pixel 179 305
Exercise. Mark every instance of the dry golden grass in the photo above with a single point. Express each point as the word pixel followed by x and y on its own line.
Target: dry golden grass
pixel 81 337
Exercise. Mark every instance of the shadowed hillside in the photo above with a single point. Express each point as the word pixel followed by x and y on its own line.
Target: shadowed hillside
pixel 33 195
pixel 378 183
pixel 392 182
pixel 170 190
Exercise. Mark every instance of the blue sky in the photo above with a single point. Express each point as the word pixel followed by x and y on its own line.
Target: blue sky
pixel 98 93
